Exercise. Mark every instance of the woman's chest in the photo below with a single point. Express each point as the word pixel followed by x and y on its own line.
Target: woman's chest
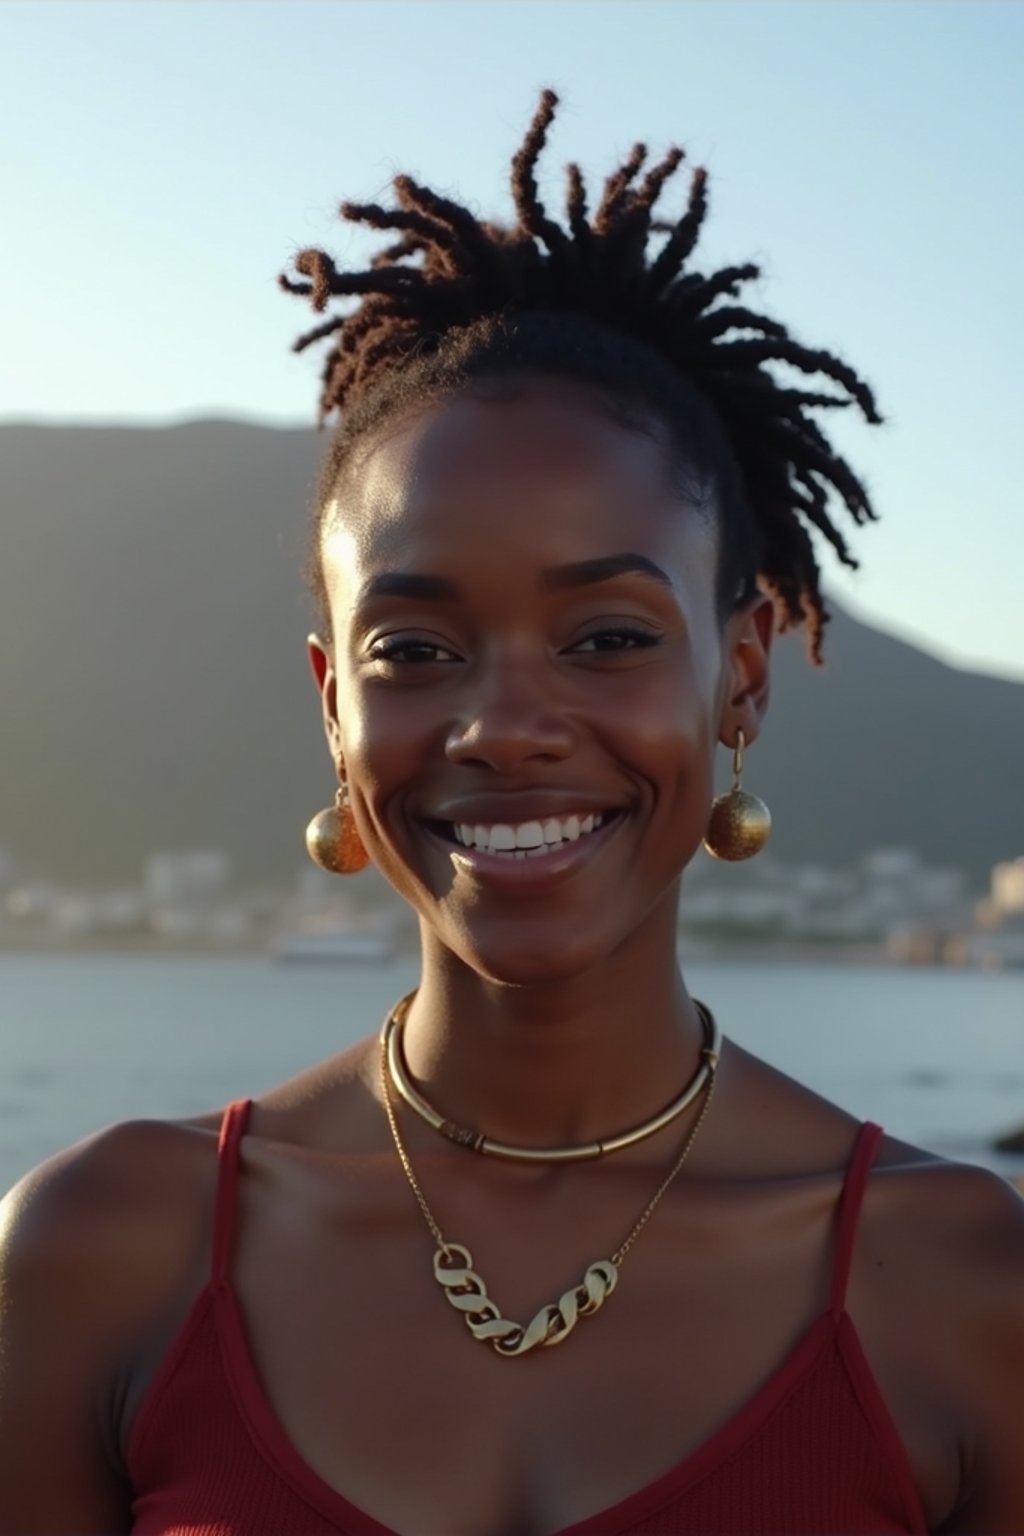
pixel 373 1376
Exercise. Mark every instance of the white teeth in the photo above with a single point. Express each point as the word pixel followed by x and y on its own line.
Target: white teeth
pixel 529 839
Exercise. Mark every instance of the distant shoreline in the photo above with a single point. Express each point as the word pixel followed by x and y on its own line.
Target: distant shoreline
pixel 145 944
pixel 153 946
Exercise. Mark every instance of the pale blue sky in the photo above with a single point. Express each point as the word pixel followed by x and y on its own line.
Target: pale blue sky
pixel 163 161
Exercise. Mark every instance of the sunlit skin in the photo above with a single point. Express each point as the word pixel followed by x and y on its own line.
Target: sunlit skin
pixel 550 1010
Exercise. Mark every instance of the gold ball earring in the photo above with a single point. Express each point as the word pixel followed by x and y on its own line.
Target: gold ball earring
pixel 332 838
pixel 740 824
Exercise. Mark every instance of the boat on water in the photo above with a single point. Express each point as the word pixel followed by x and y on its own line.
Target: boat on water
pixel 335 944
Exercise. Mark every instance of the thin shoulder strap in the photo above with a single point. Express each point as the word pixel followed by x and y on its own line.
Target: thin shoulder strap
pixel 850 1200
pixel 232 1129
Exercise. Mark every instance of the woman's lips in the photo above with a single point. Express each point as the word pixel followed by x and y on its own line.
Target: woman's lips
pixel 504 871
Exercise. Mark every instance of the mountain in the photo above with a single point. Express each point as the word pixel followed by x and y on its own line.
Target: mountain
pixel 155 692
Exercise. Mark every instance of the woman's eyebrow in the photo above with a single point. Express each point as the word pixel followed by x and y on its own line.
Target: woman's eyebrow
pixel 585 573
pixel 581 573
pixel 409 584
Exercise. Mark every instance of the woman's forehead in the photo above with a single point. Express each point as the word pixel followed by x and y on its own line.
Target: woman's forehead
pixel 547 469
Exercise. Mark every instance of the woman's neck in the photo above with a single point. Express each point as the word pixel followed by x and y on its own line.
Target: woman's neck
pixel 562 1060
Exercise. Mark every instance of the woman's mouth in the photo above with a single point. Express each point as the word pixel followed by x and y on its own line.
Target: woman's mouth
pixel 555 843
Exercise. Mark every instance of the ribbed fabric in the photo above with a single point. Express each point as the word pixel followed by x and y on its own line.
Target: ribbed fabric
pixel 814 1453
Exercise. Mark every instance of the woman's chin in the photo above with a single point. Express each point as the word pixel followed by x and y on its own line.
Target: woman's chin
pixel 519 961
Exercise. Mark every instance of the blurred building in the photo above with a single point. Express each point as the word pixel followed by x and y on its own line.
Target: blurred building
pixel 190 879
pixel 889 890
pixel 998 940
pixel 187 896
pixel 1008 888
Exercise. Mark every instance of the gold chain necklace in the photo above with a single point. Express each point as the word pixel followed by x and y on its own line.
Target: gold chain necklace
pixel 476 1141
pixel 467 1292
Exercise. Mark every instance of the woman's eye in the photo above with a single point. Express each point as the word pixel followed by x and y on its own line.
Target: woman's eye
pixel 616 640
pixel 409 652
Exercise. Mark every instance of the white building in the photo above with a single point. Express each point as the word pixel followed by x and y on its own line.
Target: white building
pixel 79 912
pixel 194 878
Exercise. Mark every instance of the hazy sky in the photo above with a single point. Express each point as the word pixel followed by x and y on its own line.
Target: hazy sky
pixel 162 162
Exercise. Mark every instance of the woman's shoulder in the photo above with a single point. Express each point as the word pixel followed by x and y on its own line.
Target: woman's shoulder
pixel 955 1227
pixel 965 1224
pixel 96 1217
pixel 974 1211
pixel 791 1128
pixel 101 1233
pixel 136 1198
pixel 103 1174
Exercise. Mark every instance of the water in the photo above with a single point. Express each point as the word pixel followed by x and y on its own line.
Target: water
pixel 936 1056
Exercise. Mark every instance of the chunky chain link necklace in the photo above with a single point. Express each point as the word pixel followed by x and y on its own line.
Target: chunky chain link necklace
pixel 453 1262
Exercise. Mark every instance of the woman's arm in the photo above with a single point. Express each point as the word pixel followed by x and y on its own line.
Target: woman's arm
pixel 993 1501
pixel 67 1275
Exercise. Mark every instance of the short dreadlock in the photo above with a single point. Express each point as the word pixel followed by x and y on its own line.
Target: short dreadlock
pixel 454 299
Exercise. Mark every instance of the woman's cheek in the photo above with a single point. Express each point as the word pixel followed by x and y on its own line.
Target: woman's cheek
pixel 388 752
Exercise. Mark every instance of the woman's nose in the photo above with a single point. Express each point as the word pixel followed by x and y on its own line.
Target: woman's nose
pixel 508 718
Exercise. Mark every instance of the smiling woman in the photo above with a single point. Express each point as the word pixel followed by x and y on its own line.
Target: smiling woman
pixel 569 503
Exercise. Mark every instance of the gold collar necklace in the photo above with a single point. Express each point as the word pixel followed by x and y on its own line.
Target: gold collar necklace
pixel 453 1263
pixel 476 1141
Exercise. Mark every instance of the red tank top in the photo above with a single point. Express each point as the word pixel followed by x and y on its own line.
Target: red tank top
pixel 813 1453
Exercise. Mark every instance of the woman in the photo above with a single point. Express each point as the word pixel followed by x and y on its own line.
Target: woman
pixel 567 506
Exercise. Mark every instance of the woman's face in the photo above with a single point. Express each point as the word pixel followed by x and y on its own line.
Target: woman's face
pixel 526 653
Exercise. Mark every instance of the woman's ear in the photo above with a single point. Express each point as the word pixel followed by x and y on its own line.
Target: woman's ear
pixel 746 679
pixel 322 664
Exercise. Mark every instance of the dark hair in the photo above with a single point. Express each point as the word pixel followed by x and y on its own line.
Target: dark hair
pixel 455 300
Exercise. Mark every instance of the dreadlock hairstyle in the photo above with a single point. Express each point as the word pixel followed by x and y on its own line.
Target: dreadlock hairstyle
pixel 454 300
